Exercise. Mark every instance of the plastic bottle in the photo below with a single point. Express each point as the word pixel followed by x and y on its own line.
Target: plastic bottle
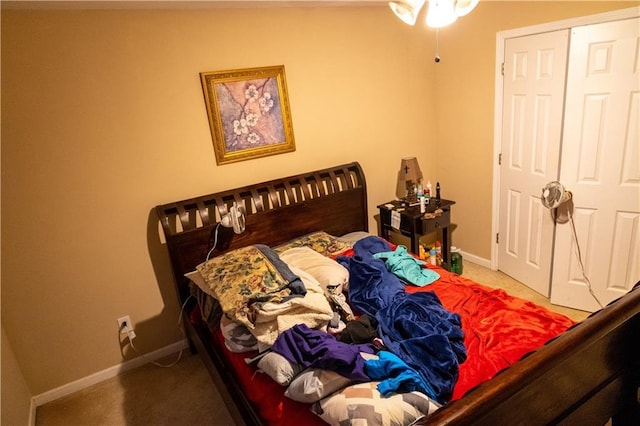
pixel 428 191
pixel 422 252
pixel 432 256
pixel 423 202
pixel 456 260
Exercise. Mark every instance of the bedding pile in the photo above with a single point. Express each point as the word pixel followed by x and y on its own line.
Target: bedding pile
pixel 414 326
pixel 349 330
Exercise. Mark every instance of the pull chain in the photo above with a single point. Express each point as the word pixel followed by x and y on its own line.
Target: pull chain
pixel 437 58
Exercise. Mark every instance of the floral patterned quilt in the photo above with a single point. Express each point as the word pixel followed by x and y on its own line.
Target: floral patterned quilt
pixel 243 279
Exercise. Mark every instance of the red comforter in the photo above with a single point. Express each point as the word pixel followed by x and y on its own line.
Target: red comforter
pixel 499 329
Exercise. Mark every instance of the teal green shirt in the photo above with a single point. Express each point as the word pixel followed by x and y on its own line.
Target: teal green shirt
pixel 406 267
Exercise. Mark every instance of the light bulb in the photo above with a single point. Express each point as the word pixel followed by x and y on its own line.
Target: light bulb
pixel 441 13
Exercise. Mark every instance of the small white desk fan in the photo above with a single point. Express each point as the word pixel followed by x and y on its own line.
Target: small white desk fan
pixel 234 219
pixel 554 194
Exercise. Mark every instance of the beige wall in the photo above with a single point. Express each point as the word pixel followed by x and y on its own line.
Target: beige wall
pixel 15 403
pixel 103 118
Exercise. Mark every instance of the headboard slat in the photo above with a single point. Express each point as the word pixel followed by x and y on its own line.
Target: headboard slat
pixel 305 188
pixel 273 195
pixel 183 214
pixel 319 183
pixel 257 201
pixel 204 212
pixel 289 191
pixel 335 186
pixel 221 206
pixel 347 178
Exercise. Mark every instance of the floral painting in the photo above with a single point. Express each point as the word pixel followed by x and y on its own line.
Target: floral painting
pixel 248 113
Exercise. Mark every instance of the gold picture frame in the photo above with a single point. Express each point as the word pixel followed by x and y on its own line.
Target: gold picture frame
pixel 248 112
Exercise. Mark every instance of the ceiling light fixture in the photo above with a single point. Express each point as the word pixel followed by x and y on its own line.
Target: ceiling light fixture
pixel 441 12
pixel 407 10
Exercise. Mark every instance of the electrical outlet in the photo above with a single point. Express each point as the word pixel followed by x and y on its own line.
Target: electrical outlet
pixel 125 325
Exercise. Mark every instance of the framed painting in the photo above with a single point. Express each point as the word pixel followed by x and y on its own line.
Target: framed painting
pixel 248 112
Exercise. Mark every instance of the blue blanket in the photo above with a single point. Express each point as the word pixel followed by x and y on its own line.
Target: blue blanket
pixel 414 326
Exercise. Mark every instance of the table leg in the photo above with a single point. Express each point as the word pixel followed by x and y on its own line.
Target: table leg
pixel 446 245
pixel 415 242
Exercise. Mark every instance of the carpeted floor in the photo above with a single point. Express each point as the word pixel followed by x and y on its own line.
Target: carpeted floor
pixel 184 394
pixel 149 396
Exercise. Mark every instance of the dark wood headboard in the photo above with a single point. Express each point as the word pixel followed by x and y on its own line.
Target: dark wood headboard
pixel 332 200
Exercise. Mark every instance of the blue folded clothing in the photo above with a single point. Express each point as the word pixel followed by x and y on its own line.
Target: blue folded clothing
pixel 395 375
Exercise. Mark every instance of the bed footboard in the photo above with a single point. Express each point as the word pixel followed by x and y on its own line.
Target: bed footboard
pixel 585 376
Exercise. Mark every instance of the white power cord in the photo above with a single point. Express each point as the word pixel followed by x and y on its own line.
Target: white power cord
pixel 584 275
pixel 132 334
pixel 215 242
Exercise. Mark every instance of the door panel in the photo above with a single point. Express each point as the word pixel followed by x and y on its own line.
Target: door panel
pixel 601 166
pixel 534 76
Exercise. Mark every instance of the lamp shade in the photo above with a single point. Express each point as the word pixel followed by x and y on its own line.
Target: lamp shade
pixel 409 171
pixel 463 7
pixel 441 13
pixel 407 10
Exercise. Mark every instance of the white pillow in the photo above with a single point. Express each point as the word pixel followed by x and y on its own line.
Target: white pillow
pixel 329 273
pixel 197 279
pixel 279 368
pixel 314 384
pixel 237 337
pixel 354 237
pixel 362 404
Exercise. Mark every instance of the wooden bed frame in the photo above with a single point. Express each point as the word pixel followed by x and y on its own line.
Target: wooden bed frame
pixel 585 376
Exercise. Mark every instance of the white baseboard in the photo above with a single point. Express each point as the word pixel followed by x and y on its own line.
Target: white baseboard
pixel 103 375
pixel 476 259
pixel 32 413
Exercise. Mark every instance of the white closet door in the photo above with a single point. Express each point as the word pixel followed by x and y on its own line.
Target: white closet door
pixel 601 165
pixel 533 99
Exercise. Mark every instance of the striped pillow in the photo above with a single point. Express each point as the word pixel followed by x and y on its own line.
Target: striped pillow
pixel 362 404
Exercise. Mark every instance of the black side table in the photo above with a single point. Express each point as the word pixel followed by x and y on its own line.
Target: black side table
pixel 414 225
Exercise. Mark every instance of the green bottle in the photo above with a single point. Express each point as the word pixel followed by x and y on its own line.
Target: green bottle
pixel 456 261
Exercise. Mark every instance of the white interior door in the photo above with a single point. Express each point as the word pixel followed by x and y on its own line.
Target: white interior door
pixel 601 166
pixel 533 99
